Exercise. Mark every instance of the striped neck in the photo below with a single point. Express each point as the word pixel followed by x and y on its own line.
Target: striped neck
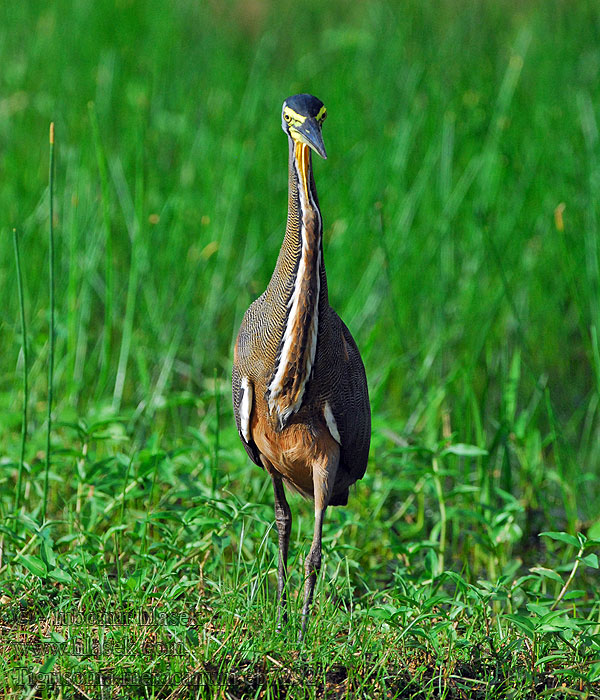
pixel 301 265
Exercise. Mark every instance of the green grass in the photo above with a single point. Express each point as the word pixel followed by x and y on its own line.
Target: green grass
pixel 461 201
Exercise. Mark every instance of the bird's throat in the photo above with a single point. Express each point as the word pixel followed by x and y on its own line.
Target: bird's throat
pixel 303 166
pixel 297 348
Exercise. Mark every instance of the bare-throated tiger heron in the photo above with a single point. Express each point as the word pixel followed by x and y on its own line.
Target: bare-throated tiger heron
pixel 300 393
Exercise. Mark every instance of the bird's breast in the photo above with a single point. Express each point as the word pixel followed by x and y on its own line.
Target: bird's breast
pixel 297 450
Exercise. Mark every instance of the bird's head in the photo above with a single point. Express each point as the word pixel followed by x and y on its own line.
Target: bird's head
pixel 302 117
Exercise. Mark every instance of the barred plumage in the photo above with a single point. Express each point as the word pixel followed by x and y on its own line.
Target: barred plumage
pixel 300 393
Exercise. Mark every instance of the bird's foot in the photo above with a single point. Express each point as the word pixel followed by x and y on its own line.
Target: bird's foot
pixel 282 619
pixel 302 634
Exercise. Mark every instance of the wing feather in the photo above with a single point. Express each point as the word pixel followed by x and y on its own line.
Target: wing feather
pixel 349 403
pixel 243 400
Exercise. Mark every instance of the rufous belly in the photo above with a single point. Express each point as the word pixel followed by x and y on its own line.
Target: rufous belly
pixel 297 452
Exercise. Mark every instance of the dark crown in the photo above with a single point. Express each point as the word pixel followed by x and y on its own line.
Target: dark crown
pixel 307 105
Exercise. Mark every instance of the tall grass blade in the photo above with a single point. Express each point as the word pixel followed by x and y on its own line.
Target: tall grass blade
pixel 52 333
pixel 132 212
pixel 589 128
pixel 215 461
pixel 108 250
pixel 25 373
pixel 489 178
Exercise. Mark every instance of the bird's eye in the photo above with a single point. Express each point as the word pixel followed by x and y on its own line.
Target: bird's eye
pixel 287 117
pixel 324 116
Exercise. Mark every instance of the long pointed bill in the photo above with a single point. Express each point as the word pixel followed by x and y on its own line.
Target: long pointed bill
pixel 309 133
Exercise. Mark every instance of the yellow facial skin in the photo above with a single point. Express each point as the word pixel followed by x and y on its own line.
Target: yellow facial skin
pixel 294 119
pixel 302 144
pixel 291 117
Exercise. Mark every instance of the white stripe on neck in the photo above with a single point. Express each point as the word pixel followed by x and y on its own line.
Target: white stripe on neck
pixel 276 386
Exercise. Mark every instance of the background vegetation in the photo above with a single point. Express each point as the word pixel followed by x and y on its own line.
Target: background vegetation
pixel 461 201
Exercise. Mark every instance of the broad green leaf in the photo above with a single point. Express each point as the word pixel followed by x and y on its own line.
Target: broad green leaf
pixel 68 538
pixel 550 657
pixel 60 576
pixel 525 624
pixel 523 579
pixel 594 530
pixel 462 450
pixel 192 636
pixel 47 553
pixel 113 529
pixel 456 578
pixel 165 515
pixel 77 427
pixel 48 664
pixel 590 560
pixel 104 422
pixel 34 564
pixel 133 582
pixel 557 624
pixel 540 610
pixel 29 523
pixel 383 612
pixel 547 573
pixel 562 537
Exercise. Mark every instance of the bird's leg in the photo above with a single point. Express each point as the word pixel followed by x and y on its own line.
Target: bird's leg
pixel 283 518
pixel 312 566
pixel 323 480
